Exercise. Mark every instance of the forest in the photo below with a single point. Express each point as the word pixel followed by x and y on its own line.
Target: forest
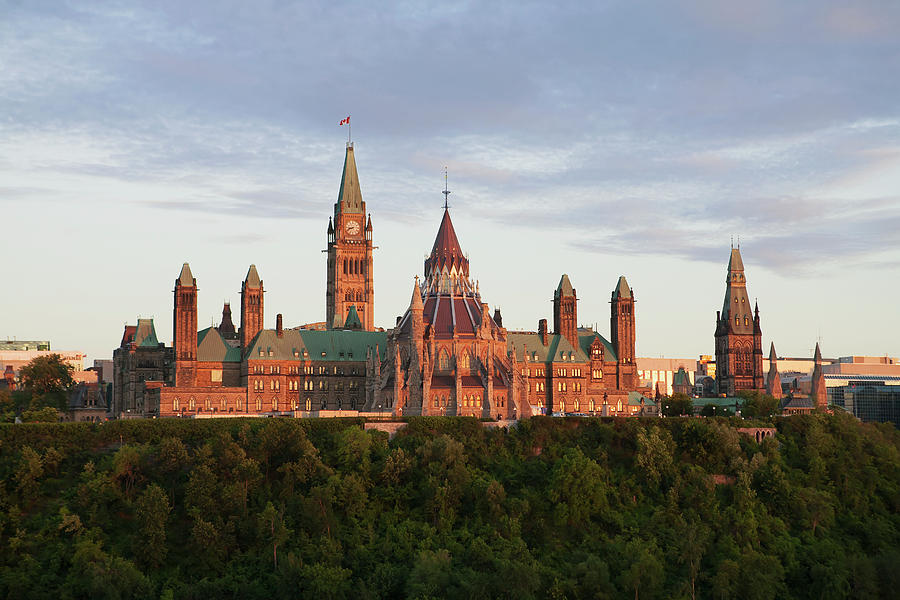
pixel 448 508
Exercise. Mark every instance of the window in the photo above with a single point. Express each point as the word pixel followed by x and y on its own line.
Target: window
pixel 192 405
pixel 258 403
pixel 176 404
pixel 308 404
pixel 240 404
pixel 215 375
pixel 224 404
pixel 274 369
pixel 444 361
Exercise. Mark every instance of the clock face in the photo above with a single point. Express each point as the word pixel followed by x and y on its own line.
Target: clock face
pixel 352 227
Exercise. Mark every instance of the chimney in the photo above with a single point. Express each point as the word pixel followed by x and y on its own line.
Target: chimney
pixel 279 330
pixel 497 318
pixel 542 331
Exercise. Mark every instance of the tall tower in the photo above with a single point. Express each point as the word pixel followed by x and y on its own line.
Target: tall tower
pixel 623 335
pixel 738 335
pixel 185 328
pixel 773 381
pixel 818 393
pixel 251 306
pixel 349 279
pixel 565 311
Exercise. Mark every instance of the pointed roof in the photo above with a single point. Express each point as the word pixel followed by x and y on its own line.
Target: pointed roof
pixel 252 279
pixel 186 278
pixel 622 290
pixel 735 263
pixel 817 357
pixel 446 242
pixel 352 321
pixel 446 253
pixel 565 287
pixel 227 325
pixel 145 333
pixel 350 195
pixel 773 358
pixel 415 302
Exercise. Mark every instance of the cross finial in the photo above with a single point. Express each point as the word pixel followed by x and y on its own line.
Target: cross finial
pixel 446 191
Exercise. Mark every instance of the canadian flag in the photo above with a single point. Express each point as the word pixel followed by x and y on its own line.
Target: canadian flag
pixel 345 121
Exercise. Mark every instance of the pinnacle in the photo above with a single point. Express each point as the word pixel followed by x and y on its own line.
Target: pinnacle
pixel 186 278
pixel 252 279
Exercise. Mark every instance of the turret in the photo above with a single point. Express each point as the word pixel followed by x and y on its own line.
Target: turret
pixel 185 327
pixel 251 306
pixel 565 311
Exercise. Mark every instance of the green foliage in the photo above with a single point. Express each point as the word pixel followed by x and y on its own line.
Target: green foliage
pixel 552 508
pixel 47 414
pixel 677 405
pixel 45 382
pixel 758 404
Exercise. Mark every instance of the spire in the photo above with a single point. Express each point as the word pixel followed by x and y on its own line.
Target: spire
pixel 446 243
pixel 330 226
pixel 622 290
pixel 736 311
pixel 350 195
pixel 415 302
pixel 818 392
pixel 565 287
pixel 734 262
pixel 186 278
pixel 773 381
pixel 227 325
pixel 446 255
pixel 369 223
pixel 252 279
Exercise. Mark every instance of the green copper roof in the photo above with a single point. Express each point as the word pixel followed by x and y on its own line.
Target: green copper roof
pixel 681 377
pixel 145 334
pixel 557 350
pixel 586 338
pixel 350 195
pixel 634 399
pixel 352 321
pixel 212 347
pixel 330 345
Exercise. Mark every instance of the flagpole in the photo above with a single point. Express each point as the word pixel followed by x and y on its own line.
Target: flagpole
pixel 349 130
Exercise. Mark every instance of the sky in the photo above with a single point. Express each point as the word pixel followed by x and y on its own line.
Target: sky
pixel 596 139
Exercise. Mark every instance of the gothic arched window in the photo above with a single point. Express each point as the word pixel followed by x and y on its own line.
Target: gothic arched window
pixel 444 361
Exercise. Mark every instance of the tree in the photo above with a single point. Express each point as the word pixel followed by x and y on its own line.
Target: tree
pixel 271 524
pixel 152 513
pixel 677 404
pixel 644 571
pixel 47 381
pixel 47 414
pixel 758 404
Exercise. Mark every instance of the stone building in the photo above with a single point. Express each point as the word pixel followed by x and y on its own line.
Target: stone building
pixel 139 363
pixel 447 355
pixel 738 335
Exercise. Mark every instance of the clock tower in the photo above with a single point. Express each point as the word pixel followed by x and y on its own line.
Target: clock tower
pixel 350 281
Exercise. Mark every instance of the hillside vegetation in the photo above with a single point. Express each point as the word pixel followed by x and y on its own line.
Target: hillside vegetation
pixel 555 508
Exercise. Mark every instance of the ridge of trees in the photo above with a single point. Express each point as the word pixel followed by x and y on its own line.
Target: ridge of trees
pixel 552 508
